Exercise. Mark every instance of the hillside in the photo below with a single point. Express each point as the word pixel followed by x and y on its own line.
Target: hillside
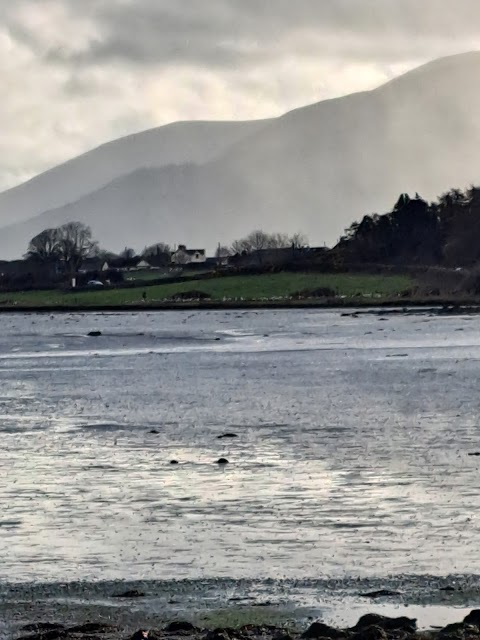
pixel 315 169
pixel 177 143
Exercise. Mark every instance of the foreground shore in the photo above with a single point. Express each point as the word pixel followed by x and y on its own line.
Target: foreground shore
pixel 369 627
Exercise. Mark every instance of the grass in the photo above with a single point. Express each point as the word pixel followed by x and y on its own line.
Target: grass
pixel 254 287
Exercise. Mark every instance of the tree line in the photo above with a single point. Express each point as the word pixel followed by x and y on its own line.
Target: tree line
pixel 445 232
pixel 73 243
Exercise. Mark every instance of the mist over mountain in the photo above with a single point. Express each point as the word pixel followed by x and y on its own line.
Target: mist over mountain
pixel 315 169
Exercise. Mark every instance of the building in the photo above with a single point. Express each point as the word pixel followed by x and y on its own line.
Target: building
pixel 188 256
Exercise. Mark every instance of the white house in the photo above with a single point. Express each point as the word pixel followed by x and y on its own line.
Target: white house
pixel 188 256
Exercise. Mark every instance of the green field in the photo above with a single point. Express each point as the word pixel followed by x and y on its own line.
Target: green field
pixel 248 288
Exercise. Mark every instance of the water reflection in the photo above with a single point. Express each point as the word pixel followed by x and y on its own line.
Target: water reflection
pixel 348 460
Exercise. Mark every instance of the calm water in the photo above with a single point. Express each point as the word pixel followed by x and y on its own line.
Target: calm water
pixel 352 455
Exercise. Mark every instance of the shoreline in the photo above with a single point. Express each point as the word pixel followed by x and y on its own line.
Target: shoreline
pixel 124 608
pixel 370 626
pixel 355 305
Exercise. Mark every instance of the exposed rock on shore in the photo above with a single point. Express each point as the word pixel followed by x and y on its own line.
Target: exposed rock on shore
pixel 369 627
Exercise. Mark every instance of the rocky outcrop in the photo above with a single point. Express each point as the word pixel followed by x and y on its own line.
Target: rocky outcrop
pixel 369 627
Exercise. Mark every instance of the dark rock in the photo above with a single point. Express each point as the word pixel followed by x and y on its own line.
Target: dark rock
pixel 95 334
pixel 53 634
pixel 382 593
pixel 409 625
pixel 133 593
pixel 475 454
pixel 227 436
pixel 222 461
pixel 253 630
pixel 173 462
pixel 180 627
pixel 473 618
pixel 43 626
pixel 455 630
pixel 217 634
pixel 320 630
pixel 154 432
pixel 371 633
pixel 142 635
pixel 92 627
pixel 448 588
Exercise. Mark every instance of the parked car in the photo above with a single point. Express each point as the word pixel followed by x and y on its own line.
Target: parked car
pixel 95 283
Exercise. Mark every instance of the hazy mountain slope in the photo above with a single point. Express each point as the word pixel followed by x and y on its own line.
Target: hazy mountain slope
pixel 177 143
pixel 315 169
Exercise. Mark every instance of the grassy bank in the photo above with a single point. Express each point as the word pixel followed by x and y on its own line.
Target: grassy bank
pixel 260 288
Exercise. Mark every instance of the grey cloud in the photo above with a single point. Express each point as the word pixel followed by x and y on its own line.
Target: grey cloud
pixel 222 33
pixel 92 70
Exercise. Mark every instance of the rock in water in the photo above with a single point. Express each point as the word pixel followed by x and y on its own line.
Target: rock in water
pixel 222 461
pixel 320 630
pixel 409 625
pixel 473 618
pixel 95 334
pixel 382 593
pixel 133 593
pixel 227 436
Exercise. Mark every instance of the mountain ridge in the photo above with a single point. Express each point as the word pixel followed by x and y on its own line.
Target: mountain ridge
pixel 314 169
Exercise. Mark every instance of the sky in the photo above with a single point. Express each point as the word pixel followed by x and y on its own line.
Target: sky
pixel 77 73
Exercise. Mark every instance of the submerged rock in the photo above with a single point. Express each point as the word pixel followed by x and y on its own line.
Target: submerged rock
pixel 222 461
pixel 132 593
pixel 381 593
pixel 227 436
pixel 94 334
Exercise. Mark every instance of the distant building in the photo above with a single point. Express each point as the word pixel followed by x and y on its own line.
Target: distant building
pixel 188 256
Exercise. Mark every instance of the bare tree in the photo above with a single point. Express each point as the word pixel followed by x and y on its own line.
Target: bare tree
pixel 158 255
pixel 260 240
pixel 221 253
pixel 75 244
pixel 44 247
pixel 156 250
pixel 127 254
pixel 298 241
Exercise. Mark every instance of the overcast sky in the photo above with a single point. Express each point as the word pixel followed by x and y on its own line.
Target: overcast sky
pixel 76 73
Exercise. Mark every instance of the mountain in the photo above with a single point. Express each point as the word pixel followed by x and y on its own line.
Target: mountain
pixel 177 143
pixel 315 169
